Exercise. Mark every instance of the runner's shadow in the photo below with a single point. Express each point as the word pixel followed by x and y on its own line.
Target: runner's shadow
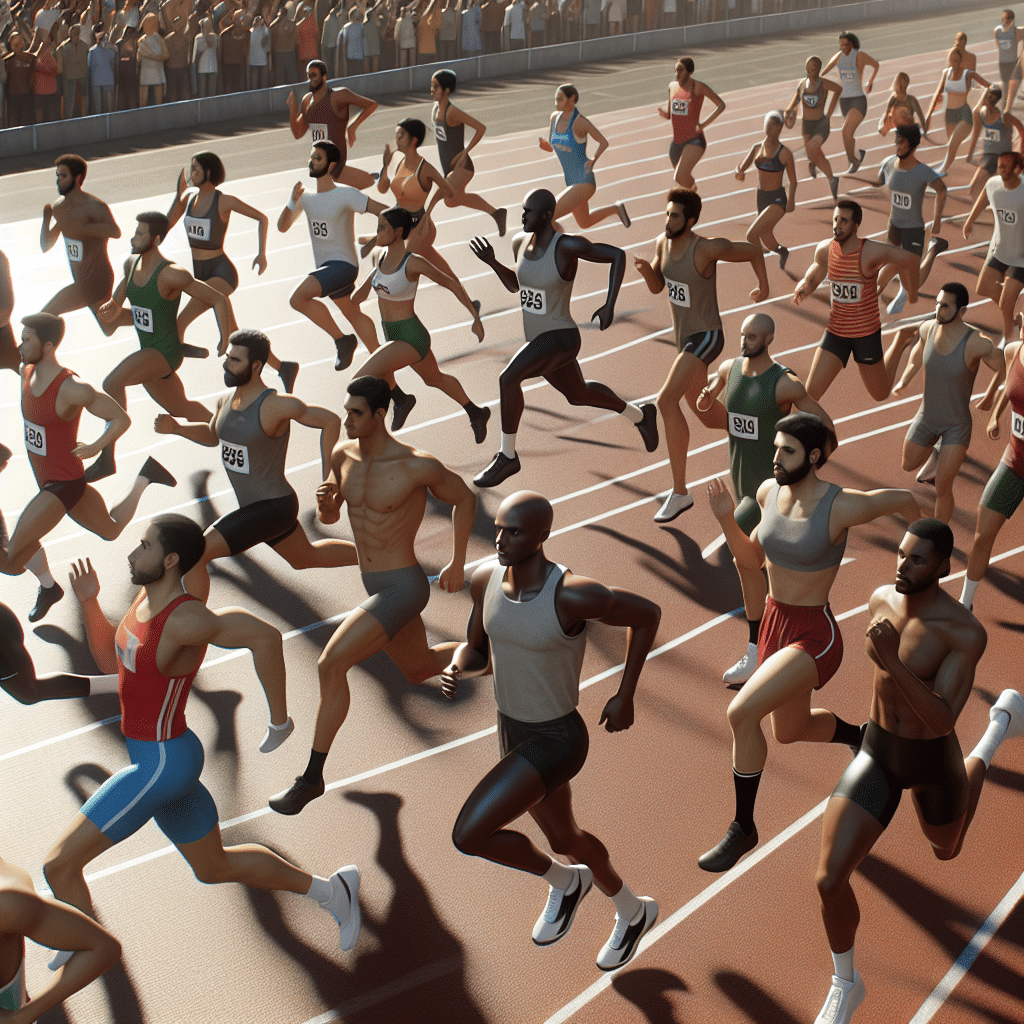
pixel 223 705
pixel 752 1000
pixel 648 990
pixel 76 649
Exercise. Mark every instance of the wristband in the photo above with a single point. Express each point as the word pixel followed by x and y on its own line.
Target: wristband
pixel 292 203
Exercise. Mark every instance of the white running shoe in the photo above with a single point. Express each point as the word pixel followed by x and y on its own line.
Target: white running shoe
pixel 1012 703
pixel 626 935
pixel 276 735
pixel 344 905
pixel 562 906
pixel 843 999
pixel 926 474
pixel 736 676
pixel 897 304
pixel 674 505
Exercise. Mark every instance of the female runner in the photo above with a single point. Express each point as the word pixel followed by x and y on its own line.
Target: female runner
pixel 902 109
pixel 816 97
pixel 956 82
pixel 853 104
pixel 685 98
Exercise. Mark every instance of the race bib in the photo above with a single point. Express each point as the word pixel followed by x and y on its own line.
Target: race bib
pixel 848 76
pixel 319 132
pixel 320 229
pixel 681 108
pixel 678 293
pixel 811 100
pixel 197 229
pixel 1008 216
pixel 846 291
pixel 439 133
pixel 74 248
pixel 1004 44
pixel 1017 425
pixel 901 201
pixel 235 457
pixel 126 655
pixel 742 426
pixel 143 319
pixel 991 135
pixel 533 300
pixel 35 438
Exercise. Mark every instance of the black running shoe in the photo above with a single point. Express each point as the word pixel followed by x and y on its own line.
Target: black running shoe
pixel 346 346
pixel 45 600
pixel 103 467
pixel 296 796
pixel 402 405
pixel 783 257
pixel 478 417
pixel 500 218
pixel 648 426
pixel 500 469
pixel 157 474
pixel 622 945
pixel 729 850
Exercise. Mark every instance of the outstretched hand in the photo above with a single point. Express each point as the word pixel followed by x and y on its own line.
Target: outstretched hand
pixel 84 581
pixel 482 249
pixel 720 500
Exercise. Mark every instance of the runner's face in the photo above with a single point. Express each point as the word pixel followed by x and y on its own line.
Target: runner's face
pixel 790 463
pixel 65 181
pixel 147 560
pixel 902 147
pixel 318 165
pixel 562 102
pixel 846 46
pixel 31 348
pixel 812 67
pixel 196 173
pixel 1007 167
pixel 141 242
pixel 533 216
pixel 675 220
pixel 918 565
pixel 359 421
pixel 945 308
pixel 752 342
pixel 237 368
pixel 386 234
pixel 516 539
pixel 316 79
pixel 682 75
pixel 404 141
pixel 436 92
pixel 843 226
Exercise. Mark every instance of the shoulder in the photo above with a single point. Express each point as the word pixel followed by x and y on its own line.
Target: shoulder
pixel 966 633
pixel 75 391
pixel 764 489
pixel 583 595
pixel 186 618
pixel 882 597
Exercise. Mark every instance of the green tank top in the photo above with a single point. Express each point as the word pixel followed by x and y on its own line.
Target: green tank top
pixel 752 414
pixel 156 318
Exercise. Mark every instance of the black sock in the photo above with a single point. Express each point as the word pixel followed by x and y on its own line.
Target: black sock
pixel 754 625
pixel 314 772
pixel 846 733
pixel 471 408
pixel 746 794
pixel 397 392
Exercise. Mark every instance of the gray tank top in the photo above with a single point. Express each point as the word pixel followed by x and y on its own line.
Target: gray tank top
pixel 537 680
pixel 800 545
pixel 692 297
pixel 254 461
pixel 1007 39
pixel 451 141
pixel 948 382
pixel 849 76
pixel 543 294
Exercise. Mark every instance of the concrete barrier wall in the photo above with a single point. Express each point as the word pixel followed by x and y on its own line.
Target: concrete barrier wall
pixel 125 124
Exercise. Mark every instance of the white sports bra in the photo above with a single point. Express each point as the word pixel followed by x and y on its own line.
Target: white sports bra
pixel 395 287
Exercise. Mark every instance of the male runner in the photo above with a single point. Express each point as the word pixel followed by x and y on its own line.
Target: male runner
pixel 86 224
pixel 52 400
pixel 252 427
pixel 153 286
pixel 324 112
pixel 24 915
pixel 907 179
pixel 544 276
pixel 330 212
pixel 528 629
pixel 385 485
pixel 157 650
pixel 926 647
pixel 1008 39
pixel 851 265
pixel 753 393
pixel 950 352
pixel 800 541
pixel 688 264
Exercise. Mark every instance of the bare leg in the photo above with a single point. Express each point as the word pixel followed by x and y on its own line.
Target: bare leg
pixel 687 377
pixel 985 533
pixel 249 864
pixel 685 165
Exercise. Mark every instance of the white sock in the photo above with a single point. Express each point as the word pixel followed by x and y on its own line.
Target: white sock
pixel 632 413
pixel 508 445
pixel 40 568
pixel 626 904
pixel 276 735
pixel 967 595
pixel 843 964
pixel 103 684
pixel 321 890
pixel 559 876
pixel 994 735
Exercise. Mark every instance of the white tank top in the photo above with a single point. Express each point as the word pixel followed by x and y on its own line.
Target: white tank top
pixel 395 287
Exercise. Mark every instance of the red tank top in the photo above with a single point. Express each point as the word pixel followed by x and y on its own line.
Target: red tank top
pixel 854 297
pixel 1014 454
pixel 684 105
pixel 325 124
pixel 152 705
pixel 49 440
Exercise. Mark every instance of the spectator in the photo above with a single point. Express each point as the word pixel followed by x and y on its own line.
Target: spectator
pixel 282 45
pixel 375 15
pixel 554 23
pixel 102 62
pixel 472 38
pixel 538 22
pixel 204 58
pixel 633 15
pixel 130 16
pixel 307 42
pixel 516 17
pixel 592 18
pixel 449 34
pixel 20 63
pixel 179 83
pixel 234 54
pixel 616 12
pixel 47 16
pixel 73 57
pixel 670 13
pixel 259 48
pixel 568 10
pixel 44 79
pixel 127 71
pixel 405 36
pixel 492 17
pixel 334 21
pixel 152 55
pixel 350 45
pixel 388 44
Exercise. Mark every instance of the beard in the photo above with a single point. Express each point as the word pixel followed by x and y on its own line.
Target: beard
pixel 65 189
pixel 313 173
pixel 669 234
pixel 785 478
pixel 142 577
pixel 236 381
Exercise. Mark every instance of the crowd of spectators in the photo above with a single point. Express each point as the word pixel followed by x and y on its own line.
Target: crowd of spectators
pixel 64 58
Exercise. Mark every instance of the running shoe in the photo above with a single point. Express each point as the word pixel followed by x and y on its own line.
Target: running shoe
pixel 296 796
pixel 843 999
pixel 735 677
pixel 45 600
pixel 288 372
pixel 783 257
pixel 194 351
pixel 345 885
pixel 622 945
pixel 401 405
pixel 729 850
pixel 346 348
pixel 561 907
pixel 1012 703
pixel 855 163
pixel 648 426
pixel 897 304
pixel 500 469
pixel 623 216
pixel 674 506
pixel 103 467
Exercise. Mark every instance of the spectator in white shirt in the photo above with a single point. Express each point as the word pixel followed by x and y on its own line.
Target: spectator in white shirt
pixel 259 46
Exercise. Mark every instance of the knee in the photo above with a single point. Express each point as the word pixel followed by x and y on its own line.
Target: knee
pixel 739 716
pixel 332 670
pixel 465 838
pixel 667 401
pixel 907 463
pixel 508 380
pixel 450 202
pixel 297 301
pixel 828 881
pixel 752 236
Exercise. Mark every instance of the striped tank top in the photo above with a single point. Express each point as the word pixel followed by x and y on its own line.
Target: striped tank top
pixel 854 296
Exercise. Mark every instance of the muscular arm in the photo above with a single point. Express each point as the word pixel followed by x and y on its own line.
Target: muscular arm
pixel 329 425
pixel 651 272
pixel 854 508
pixel 103 226
pixel 979 204
pixel 103 407
pixel 199 433
pixel 472 658
pixel 711 250
pixel 484 251
pixel 940 201
pixel 914 364
pixel 424 268
pixel 49 230
pixel 576 247
pixel 864 60
pixel 366 108
pixel 876 255
pixel 790 394
pixel 832 93
pixel 99 630
pixel 233 204
pixel 719 106
pixel 451 488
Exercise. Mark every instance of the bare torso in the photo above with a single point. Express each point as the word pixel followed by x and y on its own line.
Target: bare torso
pixel 12 946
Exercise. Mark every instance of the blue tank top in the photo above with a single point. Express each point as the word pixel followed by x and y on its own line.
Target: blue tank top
pixel 572 155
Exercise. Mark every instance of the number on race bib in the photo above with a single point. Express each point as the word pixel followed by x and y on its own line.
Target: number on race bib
pixel 235 457
pixel 900 201
pixel 74 248
pixel 846 291
pixel 1004 44
pixel 742 426
pixel 1017 425
pixel 143 319
pixel 681 107
pixel 847 76
pixel 126 655
pixel 678 293
pixel 991 135
pixel 811 100
pixel 439 133
pixel 319 132
pixel 1008 216
pixel 197 229
pixel 319 228
pixel 35 439
pixel 533 300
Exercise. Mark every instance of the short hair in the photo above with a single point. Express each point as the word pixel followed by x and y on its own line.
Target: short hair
pixel 76 166
pixel 961 296
pixel 330 150
pixel 447 79
pixel 687 63
pixel 48 328
pixel 808 430
pixel 855 209
pixel 212 165
pixel 400 219
pixel 815 58
pixel 569 91
pixel 995 92
pixel 936 531
pixel 254 341
pixel 376 392
pixel 319 65
pixel 774 115
pixel 157 223
pixel 181 536
pixel 689 199
pixel 847 34
pixel 414 127
pixel 911 133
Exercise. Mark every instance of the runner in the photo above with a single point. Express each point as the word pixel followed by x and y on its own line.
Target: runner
pixel 87 225
pixel 407 343
pixel 385 485
pixel 685 98
pixel 956 81
pixel 1008 39
pixel 567 139
pixel 926 647
pixel 324 112
pixel 206 212
pixel 816 97
pixel 902 109
pixel 773 203
pixel 747 397
pixel 851 265
pixel 330 212
pixel 547 261
pixel 951 353
pixel 157 650
pixel 450 126
pixel 853 104
pixel 528 629
pixel 687 263
pixel 52 400
pixel 9 359
pixel 800 542
pixel 996 132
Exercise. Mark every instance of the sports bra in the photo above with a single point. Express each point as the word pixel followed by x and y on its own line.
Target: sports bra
pixel 812 100
pixel 207 230
pixel 957 84
pixel 800 545
pixel 771 164
pixel 411 195
pixel 395 287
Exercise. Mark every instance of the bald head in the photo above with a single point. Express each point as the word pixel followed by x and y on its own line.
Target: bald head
pixel 529 508
pixel 541 200
pixel 756 334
